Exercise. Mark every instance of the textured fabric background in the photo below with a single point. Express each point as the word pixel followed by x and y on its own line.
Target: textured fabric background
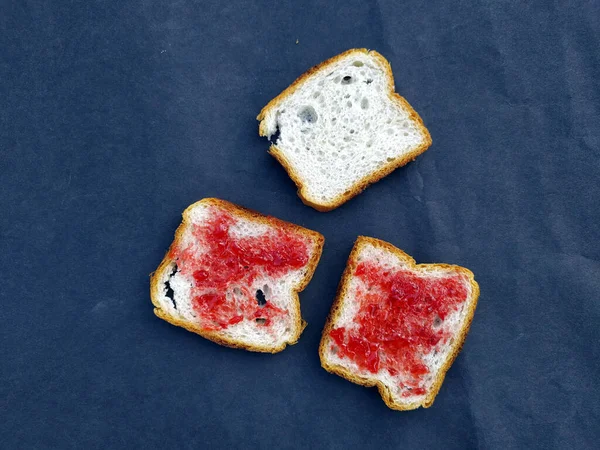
pixel 116 115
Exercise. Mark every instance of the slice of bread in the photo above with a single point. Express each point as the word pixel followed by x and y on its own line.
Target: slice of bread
pixel 397 325
pixel 233 276
pixel 340 127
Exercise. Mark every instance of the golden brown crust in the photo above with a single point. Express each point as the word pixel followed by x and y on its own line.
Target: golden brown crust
pixel 237 211
pixel 343 287
pixel 362 184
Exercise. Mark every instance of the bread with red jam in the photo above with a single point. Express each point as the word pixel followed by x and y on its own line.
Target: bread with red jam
pixel 396 324
pixel 233 275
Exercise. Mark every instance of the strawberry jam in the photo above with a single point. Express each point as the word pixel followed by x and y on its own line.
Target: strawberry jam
pixel 222 268
pixel 399 321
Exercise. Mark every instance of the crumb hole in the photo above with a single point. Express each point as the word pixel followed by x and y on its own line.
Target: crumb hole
pixel 261 320
pixel 260 298
pixel 308 114
pixel 364 104
pixel 170 292
pixel 347 79
pixel 357 64
pixel 275 136
pixel 349 104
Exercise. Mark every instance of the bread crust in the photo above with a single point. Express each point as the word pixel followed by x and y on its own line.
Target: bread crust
pixel 240 212
pixel 373 177
pixel 343 287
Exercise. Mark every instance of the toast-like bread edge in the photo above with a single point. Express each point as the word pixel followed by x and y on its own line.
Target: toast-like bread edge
pixel 366 181
pixel 238 211
pixel 336 309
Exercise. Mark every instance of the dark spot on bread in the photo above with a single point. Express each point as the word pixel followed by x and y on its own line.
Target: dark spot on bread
pixel 260 298
pixel 347 79
pixel 261 320
pixel 369 80
pixel 437 321
pixel 308 114
pixel 170 293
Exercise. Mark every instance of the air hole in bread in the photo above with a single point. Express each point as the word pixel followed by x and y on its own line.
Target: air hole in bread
pixel 369 81
pixel 260 298
pixel 267 290
pixel 351 131
pixel 275 136
pixel 369 144
pixel 261 320
pixel 337 79
pixel 347 79
pixel 389 159
pixel 170 294
pixel 349 104
pixel 357 64
pixel 364 104
pixel 437 321
pixel 316 94
pixel 308 114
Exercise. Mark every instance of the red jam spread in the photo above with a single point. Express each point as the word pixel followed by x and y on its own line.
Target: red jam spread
pixel 222 268
pixel 399 320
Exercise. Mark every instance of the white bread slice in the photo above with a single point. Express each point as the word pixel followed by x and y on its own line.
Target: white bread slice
pixel 402 324
pixel 233 276
pixel 340 127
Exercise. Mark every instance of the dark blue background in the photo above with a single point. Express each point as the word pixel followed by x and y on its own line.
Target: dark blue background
pixel 116 115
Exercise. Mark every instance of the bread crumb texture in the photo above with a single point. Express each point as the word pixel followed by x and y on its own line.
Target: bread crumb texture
pixel 397 325
pixel 340 127
pixel 233 275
